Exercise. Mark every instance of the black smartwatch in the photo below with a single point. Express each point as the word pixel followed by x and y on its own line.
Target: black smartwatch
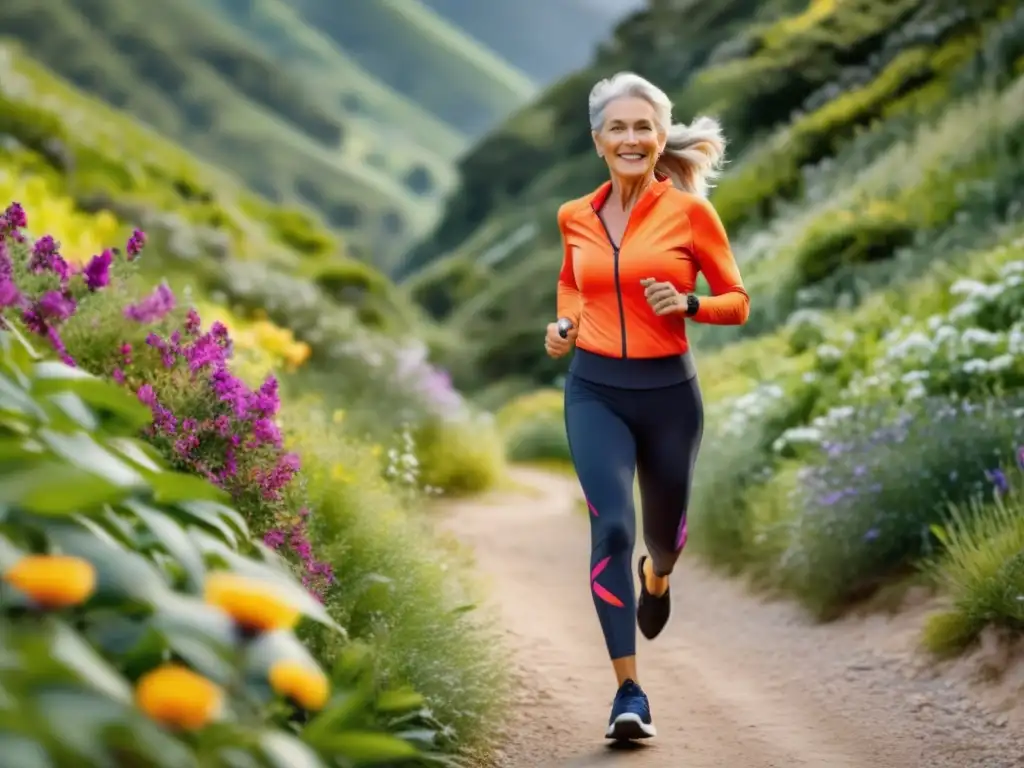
pixel 692 304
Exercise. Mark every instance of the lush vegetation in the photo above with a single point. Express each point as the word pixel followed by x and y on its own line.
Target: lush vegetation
pixel 336 513
pixel 241 395
pixel 487 269
pixel 256 87
pixel 867 424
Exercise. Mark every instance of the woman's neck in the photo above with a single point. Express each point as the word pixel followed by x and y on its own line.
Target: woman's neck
pixel 627 191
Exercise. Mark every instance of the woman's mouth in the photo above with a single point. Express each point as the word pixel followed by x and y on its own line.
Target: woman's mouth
pixel 632 156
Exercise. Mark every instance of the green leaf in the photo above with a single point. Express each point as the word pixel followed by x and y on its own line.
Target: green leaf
pixel 23 752
pixel 69 649
pixel 18 350
pixel 219 516
pixel 285 751
pixel 203 635
pixel 51 378
pixel 9 553
pixel 120 573
pixel 367 747
pixel 81 450
pixel 174 540
pixel 74 413
pixel 55 488
pixel 393 702
pixel 173 487
pixel 89 724
pixel 142 455
pixel 14 399
pixel 343 714
pixel 271 647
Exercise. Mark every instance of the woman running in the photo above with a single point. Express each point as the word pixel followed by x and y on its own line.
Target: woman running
pixel 632 251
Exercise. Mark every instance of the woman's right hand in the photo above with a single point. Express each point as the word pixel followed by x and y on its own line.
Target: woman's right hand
pixel 555 345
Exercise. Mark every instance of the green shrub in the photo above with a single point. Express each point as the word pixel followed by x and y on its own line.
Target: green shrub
pixel 206 420
pixel 299 230
pixel 141 625
pixel 981 569
pixel 402 594
pixel 849 238
pixel 882 477
pixel 539 440
pixel 459 457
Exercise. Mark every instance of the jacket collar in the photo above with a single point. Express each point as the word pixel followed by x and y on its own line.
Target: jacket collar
pixel 661 183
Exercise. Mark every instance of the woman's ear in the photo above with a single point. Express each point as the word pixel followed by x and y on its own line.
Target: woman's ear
pixel 597 143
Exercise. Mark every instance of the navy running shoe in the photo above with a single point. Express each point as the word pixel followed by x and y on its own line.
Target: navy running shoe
pixel 652 611
pixel 631 715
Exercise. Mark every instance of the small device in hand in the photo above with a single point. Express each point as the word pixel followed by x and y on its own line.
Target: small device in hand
pixel 564 326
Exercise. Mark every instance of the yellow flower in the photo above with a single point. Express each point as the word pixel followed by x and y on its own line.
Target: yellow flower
pixel 53 581
pixel 178 697
pixel 304 684
pixel 340 474
pixel 376 450
pixel 339 416
pixel 253 604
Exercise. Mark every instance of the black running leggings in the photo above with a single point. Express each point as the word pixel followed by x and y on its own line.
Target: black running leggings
pixel 614 435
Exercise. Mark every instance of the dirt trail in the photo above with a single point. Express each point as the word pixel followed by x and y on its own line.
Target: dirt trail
pixel 734 682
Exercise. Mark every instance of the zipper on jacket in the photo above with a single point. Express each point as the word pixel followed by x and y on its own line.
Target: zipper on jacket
pixel 618 285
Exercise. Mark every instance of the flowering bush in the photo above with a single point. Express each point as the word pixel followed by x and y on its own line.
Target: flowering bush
pixel 204 419
pixel 141 623
pixel 977 346
pixel 882 477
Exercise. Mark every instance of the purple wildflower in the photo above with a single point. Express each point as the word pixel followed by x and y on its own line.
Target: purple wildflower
pixel 135 244
pixel 154 307
pixel 97 271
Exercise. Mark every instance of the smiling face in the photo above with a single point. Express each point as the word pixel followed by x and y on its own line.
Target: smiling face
pixel 629 140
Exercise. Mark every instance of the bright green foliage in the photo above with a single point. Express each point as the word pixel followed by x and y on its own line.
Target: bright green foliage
pixel 75 482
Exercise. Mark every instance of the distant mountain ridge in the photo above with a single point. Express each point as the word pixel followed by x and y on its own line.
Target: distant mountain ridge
pixel 356 110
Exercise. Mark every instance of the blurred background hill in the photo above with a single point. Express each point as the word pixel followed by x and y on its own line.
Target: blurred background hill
pixel 357 109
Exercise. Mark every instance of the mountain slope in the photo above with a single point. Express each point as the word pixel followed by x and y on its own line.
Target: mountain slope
pixel 200 81
pixel 419 54
pixel 546 39
pixel 810 94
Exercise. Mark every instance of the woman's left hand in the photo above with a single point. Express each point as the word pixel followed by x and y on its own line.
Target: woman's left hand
pixel 663 297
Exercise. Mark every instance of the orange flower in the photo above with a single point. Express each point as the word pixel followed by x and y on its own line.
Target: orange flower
pixel 53 581
pixel 253 604
pixel 304 684
pixel 178 697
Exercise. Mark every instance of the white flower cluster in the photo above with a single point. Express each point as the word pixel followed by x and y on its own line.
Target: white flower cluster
pixel 813 433
pixel 953 346
pixel 403 467
pixel 734 416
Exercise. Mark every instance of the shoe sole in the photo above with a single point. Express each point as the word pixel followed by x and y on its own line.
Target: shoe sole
pixel 629 727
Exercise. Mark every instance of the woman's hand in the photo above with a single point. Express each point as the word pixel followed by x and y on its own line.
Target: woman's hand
pixel 663 297
pixel 555 345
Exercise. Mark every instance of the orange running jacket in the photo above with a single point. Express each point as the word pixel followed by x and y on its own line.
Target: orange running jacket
pixel 671 236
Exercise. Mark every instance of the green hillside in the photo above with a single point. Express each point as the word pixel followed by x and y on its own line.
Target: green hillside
pixel 253 87
pixel 835 184
pixel 416 52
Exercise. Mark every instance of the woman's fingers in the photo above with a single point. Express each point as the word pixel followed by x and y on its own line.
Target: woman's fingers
pixel 659 295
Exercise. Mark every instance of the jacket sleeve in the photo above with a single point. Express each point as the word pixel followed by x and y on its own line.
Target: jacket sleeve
pixel 570 302
pixel 729 303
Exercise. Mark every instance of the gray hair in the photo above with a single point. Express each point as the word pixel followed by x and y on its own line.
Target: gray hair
pixel 693 154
